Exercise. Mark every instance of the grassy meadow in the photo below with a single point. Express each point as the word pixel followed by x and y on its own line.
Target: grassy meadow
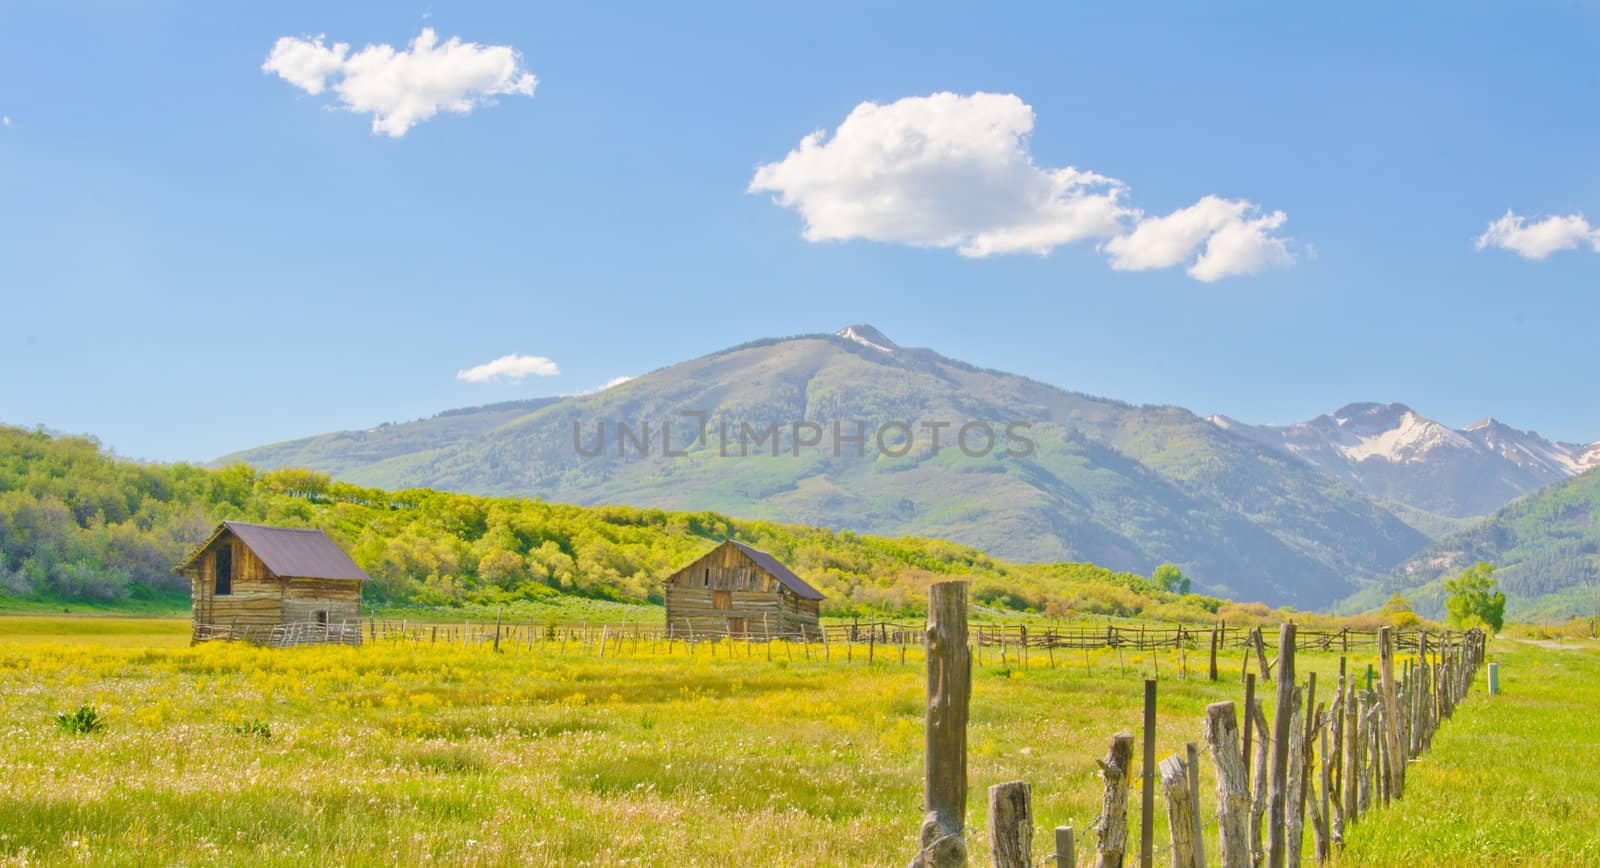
pixel 443 754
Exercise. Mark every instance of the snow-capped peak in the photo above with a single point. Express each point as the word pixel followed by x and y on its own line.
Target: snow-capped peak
pixel 1392 432
pixel 867 336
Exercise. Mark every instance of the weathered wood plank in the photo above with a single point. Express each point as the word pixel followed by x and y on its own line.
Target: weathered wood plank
pixel 1111 829
pixel 1233 793
pixel 1181 811
pixel 949 691
pixel 1011 825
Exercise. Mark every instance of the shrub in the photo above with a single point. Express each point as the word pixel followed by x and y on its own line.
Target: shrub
pixel 81 722
pixel 253 728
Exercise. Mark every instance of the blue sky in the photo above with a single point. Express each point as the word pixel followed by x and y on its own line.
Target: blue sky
pixel 196 255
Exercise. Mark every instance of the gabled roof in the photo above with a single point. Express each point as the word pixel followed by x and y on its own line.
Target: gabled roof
pixel 289 552
pixel 778 571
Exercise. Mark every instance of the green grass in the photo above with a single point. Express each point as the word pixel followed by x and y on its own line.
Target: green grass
pixel 150 602
pixel 412 754
pixel 1512 779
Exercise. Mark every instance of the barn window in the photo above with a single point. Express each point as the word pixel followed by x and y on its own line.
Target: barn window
pixel 708 577
pixel 721 599
pixel 224 571
pixel 322 617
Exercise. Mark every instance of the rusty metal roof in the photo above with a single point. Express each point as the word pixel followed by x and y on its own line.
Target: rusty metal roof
pixel 289 552
pixel 779 571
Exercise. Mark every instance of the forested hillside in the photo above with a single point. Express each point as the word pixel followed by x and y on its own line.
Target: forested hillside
pixel 1545 548
pixel 77 523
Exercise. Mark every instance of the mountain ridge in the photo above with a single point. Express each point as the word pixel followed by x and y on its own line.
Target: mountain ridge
pixel 1390 451
pixel 1123 485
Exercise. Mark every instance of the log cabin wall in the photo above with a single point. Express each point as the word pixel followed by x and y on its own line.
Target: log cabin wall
pixel 257 596
pixel 727 593
pixel 338 599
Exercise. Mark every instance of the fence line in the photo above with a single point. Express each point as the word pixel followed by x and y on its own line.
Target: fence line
pixel 891 635
pixel 280 635
pixel 1335 761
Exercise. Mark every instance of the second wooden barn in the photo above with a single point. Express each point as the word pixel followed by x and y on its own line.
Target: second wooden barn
pixel 740 591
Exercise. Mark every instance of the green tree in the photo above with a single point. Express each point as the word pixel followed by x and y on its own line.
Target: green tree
pixel 1399 611
pixel 1169 578
pixel 1473 599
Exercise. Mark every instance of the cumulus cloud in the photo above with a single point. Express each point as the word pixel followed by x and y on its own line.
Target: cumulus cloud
pixel 1231 235
pixel 614 381
pixel 401 89
pixel 5 120
pixel 955 171
pixel 940 171
pixel 1539 239
pixel 509 369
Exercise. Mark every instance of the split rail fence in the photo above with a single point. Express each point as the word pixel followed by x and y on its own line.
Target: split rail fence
pixel 1024 645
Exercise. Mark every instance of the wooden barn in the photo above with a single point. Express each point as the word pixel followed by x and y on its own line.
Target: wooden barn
pixel 274 585
pixel 736 590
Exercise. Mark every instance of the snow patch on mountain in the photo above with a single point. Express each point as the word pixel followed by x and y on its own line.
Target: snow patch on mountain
pixel 1391 451
pixel 868 336
pixel 1393 433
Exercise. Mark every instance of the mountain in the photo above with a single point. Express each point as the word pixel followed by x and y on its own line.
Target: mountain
pixel 1391 452
pixel 345 452
pixel 1545 548
pixel 1123 486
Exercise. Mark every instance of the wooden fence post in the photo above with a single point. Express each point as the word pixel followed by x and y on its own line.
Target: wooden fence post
pixel 1258 783
pixel 1192 761
pixel 1394 777
pixel 1349 765
pixel 1010 825
pixel 945 758
pixel 1325 817
pixel 1213 671
pixel 1181 810
pixel 1233 790
pixel 1111 829
pixel 1307 783
pixel 1294 816
pixel 1066 854
pixel 1147 802
pixel 1282 733
pixel 1261 655
pixel 1249 709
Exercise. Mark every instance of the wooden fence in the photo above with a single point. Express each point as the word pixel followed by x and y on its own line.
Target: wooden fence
pixel 281 635
pixel 1024 645
pixel 1364 738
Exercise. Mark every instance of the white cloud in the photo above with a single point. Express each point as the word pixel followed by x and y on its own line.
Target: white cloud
pixel 940 171
pixel 614 381
pixel 954 171
pixel 1539 240
pixel 510 369
pixel 5 120
pixel 1235 241
pixel 400 89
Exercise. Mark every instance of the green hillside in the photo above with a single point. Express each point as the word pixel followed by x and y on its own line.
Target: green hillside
pixel 78 524
pixel 345 451
pixel 1110 483
pixel 1545 548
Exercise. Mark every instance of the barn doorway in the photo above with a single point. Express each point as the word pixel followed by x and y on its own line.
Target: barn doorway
pixel 739 627
pixel 224 570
